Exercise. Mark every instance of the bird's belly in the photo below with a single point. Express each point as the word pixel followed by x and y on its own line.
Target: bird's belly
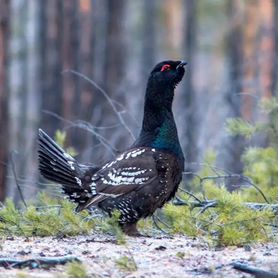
pixel 141 203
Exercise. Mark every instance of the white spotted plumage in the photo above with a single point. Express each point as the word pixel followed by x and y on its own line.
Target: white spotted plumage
pixel 67 156
pixel 78 180
pixel 71 164
pixel 93 188
pixel 134 173
pixel 116 177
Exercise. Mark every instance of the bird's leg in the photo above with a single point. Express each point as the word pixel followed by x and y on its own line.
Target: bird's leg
pixel 130 229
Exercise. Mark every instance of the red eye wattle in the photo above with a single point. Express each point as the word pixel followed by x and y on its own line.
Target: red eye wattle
pixel 165 67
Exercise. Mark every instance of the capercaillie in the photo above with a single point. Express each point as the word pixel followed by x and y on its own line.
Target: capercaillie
pixel 143 177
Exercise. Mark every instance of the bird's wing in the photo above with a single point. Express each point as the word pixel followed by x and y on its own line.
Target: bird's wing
pixel 129 171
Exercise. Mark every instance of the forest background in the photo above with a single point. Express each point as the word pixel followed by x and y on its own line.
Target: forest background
pixel 49 50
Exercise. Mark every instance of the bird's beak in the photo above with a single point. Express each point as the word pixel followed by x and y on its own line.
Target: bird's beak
pixel 181 64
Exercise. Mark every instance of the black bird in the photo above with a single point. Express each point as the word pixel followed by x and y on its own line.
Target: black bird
pixel 142 178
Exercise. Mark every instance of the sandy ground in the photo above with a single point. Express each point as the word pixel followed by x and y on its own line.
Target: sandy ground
pixel 178 256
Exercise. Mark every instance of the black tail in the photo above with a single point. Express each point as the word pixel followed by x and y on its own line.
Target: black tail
pixel 56 165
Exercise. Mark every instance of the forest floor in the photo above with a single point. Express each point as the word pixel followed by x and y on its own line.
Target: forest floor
pixel 159 256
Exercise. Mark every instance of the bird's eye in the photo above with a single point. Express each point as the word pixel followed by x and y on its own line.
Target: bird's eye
pixel 165 67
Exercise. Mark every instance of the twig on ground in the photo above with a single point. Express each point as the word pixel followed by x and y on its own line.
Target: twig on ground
pixel 190 194
pixel 40 262
pixel 207 270
pixel 257 272
pixel 210 204
pixel 247 179
pixel 228 176
pixel 179 202
pixel 214 203
pixel 155 218
pixel 16 180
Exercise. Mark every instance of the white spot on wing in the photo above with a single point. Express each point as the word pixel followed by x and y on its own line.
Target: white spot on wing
pixel 93 188
pixel 78 180
pixel 137 152
pixel 67 156
pixel 74 195
pixel 133 173
pixel 140 180
pixel 71 164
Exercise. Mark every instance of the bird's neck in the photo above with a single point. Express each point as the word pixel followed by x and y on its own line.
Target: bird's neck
pixel 159 128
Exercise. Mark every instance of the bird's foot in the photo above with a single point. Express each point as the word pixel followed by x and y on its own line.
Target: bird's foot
pixel 130 229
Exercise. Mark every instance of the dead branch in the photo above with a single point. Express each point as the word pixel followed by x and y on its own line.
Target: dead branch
pixel 16 181
pixel 204 205
pixel 110 101
pixel 40 262
pixel 156 219
pixel 88 127
pixel 228 176
pixel 257 272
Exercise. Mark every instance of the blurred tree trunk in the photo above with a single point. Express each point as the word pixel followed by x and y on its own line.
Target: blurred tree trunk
pixel 4 120
pixel 98 48
pixel 275 58
pixel 267 50
pixel 189 99
pixel 33 95
pixel 250 67
pixel 148 37
pixel 85 57
pixel 234 145
pixel 70 54
pixel 116 54
pixel 18 91
pixel 99 31
pixel 24 87
pixel 51 38
pixel 84 63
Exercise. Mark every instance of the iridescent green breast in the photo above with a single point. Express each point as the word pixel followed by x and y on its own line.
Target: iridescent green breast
pixel 167 139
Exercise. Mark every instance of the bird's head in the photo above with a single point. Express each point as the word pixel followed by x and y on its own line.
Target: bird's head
pixel 168 72
pixel 163 80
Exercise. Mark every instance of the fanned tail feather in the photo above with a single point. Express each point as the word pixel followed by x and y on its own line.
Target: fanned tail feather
pixel 58 166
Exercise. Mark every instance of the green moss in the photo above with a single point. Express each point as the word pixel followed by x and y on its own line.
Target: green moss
pixel 111 225
pixel 238 126
pixel 181 220
pixel 51 218
pixel 229 223
pixel 76 270
pixel 237 224
pixel 146 225
pixel 22 274
pixel 126 263
pixel 260 164
pixel 180 255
